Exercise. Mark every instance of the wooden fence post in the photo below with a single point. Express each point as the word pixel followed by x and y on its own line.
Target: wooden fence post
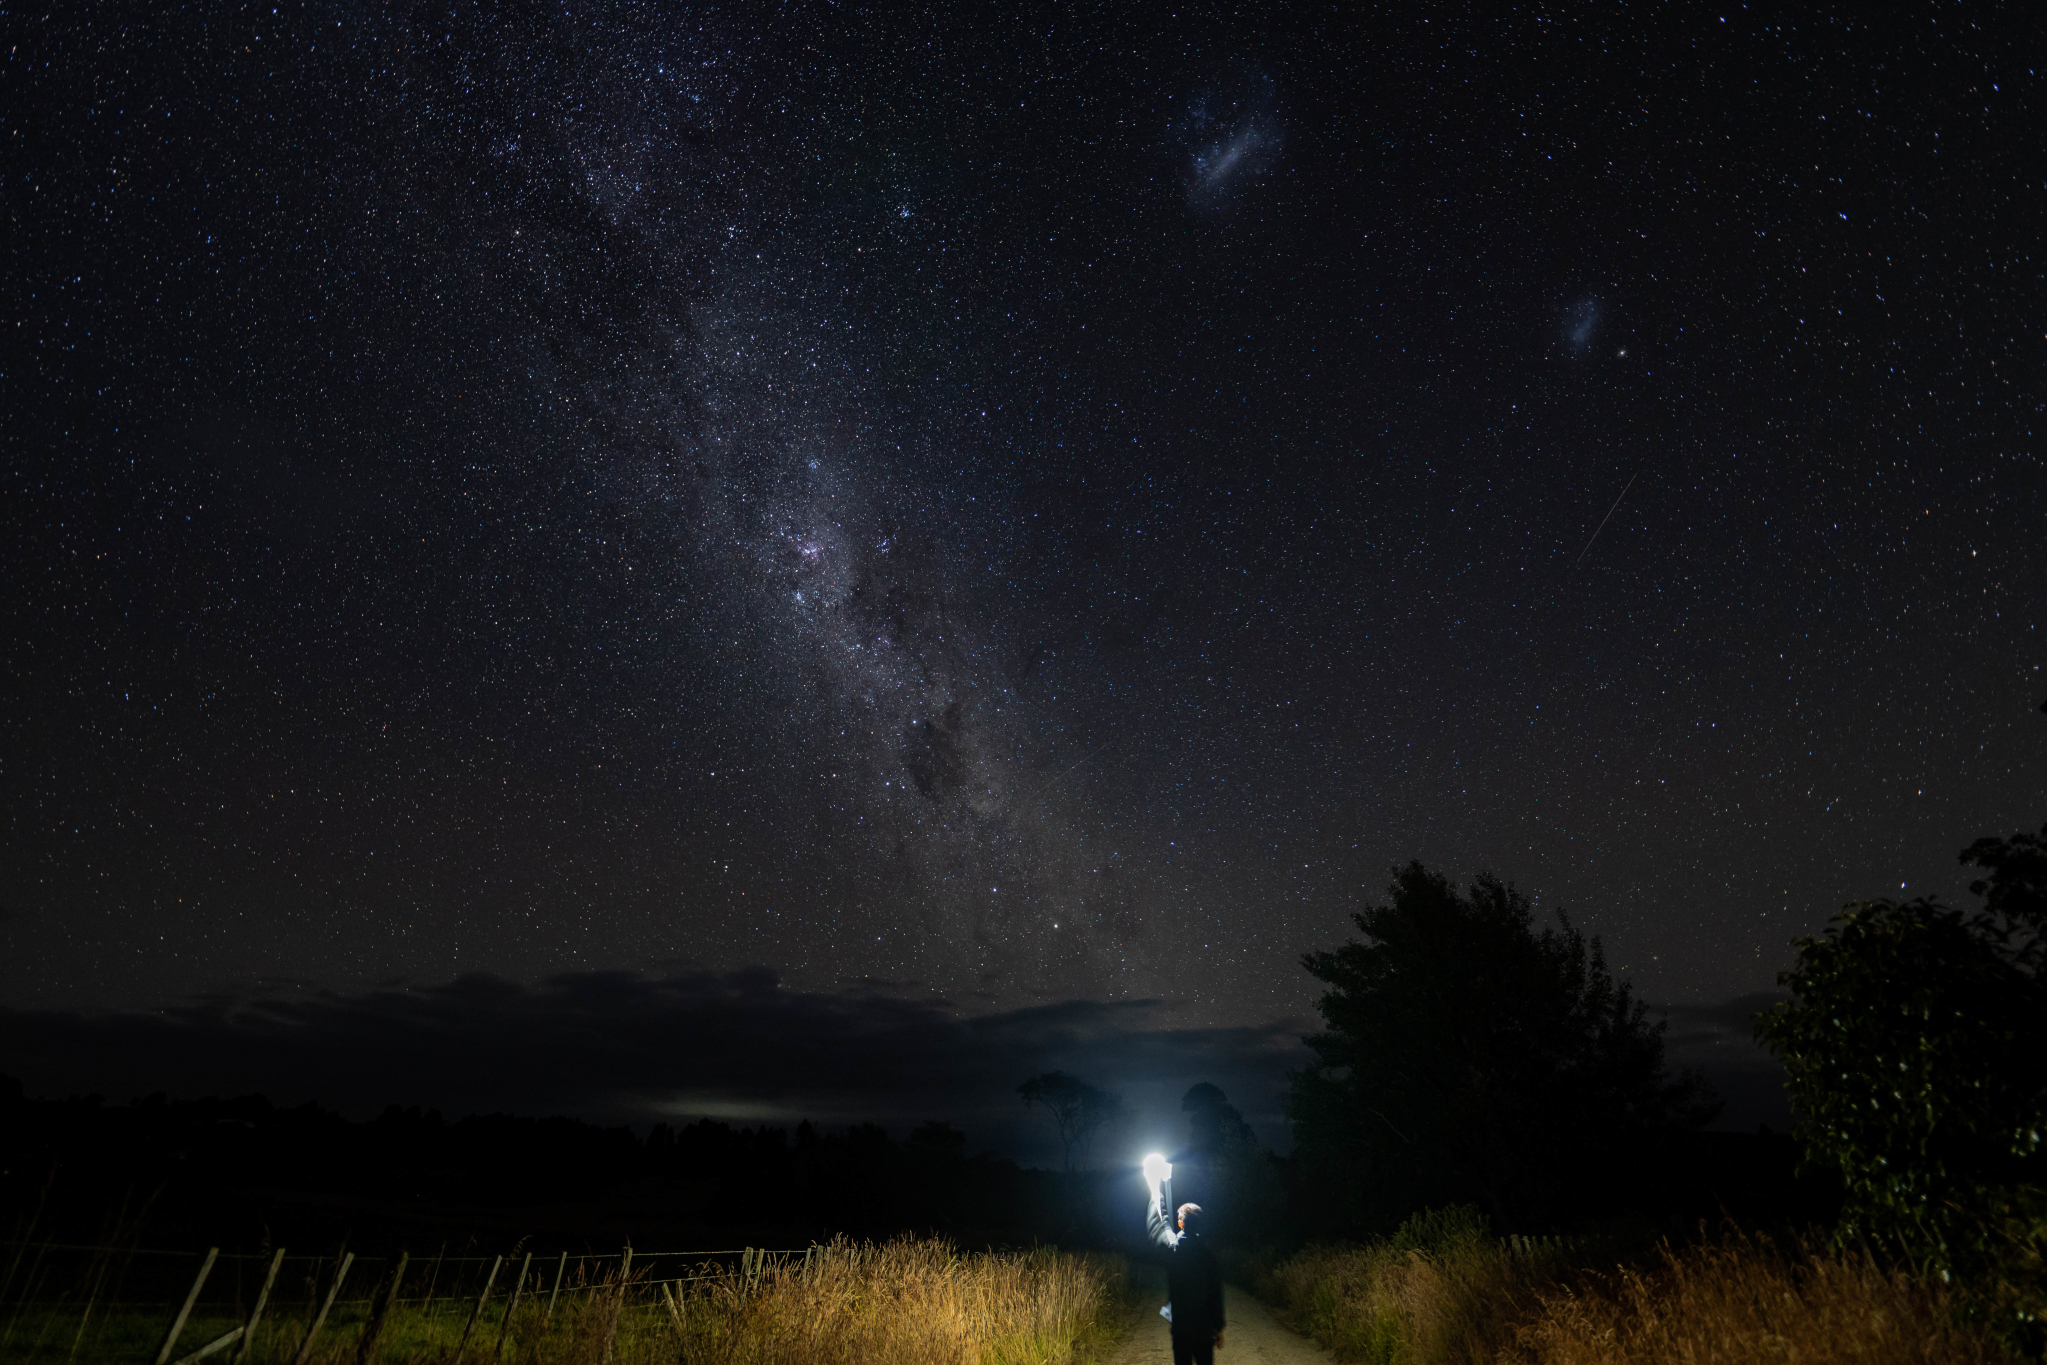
pixel 102 1262
pixel 675 1315
pixel 381 1313
pixel 219 1343
pixel 470 1325
pixel 256 1313
pixel 28 1286
pixel 497 1352
pixel 433 1278
pixel 306 1347
pixel 27 1236
pixel 170 1340
pixel 559 1271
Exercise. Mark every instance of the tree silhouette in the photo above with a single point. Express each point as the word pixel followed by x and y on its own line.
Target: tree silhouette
pixel 1215 1128
pixel 1470 1057
pixel 2016 889
pixel 1078 1110
pixel 1244 1188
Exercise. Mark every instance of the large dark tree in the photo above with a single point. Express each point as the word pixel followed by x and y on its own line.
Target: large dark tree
pixel 1472 1057
pixel 1236 1180
pixel 1915 1047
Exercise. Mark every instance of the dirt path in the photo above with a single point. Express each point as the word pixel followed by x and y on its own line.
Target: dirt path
pixel 1252 1336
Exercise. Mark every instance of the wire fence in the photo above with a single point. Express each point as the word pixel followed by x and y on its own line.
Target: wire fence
pixel 72 1302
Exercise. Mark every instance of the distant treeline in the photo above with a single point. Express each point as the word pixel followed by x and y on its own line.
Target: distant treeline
pixel 243 1170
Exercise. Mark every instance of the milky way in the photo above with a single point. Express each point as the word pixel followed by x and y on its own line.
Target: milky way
pixel 829 553
pixel 927 712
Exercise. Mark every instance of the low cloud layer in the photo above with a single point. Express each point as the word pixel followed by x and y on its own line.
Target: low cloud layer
pixel 616 1047
pixel 1719 1040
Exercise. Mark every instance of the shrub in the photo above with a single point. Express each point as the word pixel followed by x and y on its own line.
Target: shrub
pixel 1439 1291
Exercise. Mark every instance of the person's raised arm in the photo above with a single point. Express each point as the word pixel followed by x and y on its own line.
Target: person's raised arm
pixel 1156 1221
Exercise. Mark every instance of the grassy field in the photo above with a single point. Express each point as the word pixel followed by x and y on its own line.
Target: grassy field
pixel 911 1301
pixel 1442 1292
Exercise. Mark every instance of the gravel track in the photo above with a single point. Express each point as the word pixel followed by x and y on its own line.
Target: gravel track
pixel 1252 1334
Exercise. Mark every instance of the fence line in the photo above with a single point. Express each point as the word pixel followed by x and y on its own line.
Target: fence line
pixel 88 1284
pixel 365 1275
pixel 573 1256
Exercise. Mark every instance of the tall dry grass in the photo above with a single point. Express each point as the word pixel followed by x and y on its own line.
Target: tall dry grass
pixel 1441 1292
pixel 1742 1300
pixel 908 1302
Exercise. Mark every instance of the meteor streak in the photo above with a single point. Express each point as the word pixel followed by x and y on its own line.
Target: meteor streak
pixel 1605 519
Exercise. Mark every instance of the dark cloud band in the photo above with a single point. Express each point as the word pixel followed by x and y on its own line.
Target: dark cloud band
pixel 620 1047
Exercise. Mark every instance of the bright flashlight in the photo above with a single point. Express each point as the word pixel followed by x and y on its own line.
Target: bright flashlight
pixel 1157 1169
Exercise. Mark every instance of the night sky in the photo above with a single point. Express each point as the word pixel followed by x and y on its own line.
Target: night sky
pixel 1000 513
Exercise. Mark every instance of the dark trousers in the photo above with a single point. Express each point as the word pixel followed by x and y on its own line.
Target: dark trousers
pixel 1194 1349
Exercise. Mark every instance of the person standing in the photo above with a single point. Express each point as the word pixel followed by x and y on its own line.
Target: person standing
pixel 1194 1282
